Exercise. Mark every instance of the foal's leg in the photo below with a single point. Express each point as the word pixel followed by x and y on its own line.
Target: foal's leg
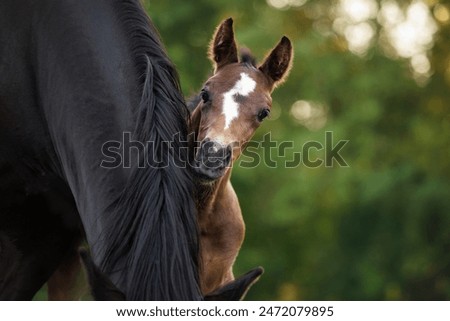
pixel 62 285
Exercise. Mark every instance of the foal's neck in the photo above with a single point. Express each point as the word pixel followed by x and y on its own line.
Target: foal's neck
pixel 206 194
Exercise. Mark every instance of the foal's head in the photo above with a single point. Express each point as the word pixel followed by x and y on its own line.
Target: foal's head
pixel 234 101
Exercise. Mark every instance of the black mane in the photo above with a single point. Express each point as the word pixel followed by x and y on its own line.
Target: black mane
pixel 152 245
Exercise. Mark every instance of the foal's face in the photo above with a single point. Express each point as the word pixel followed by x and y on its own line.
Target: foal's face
pixel 234 102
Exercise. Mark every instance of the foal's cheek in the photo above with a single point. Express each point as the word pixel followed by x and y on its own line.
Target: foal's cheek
pixel 238 150
pixel 236 153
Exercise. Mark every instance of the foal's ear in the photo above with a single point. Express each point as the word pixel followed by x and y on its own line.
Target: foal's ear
pixel 223 50
pixel 278 63
pixel 237 289
pixel 102 289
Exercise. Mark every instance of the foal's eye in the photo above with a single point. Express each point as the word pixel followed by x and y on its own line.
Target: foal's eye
pixel 205 96
pixel 263 114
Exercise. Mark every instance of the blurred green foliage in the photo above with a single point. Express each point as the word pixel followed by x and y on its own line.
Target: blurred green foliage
pixel 376 230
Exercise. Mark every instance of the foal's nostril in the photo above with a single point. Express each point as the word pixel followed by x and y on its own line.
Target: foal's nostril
pixel 212 159
pixel 209 147
pixel 214 154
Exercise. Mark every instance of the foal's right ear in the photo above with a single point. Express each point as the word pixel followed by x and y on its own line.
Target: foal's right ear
pixel 223 50
pixel 102 289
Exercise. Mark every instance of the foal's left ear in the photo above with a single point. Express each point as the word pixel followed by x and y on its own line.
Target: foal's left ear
pixel 279 62
pixel 223 50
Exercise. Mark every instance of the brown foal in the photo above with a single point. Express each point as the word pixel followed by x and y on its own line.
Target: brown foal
pixel 231 106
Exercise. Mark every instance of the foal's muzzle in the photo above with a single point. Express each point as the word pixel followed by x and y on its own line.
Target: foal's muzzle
pixel 212 159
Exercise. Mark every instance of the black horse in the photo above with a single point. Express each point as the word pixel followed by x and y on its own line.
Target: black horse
pixel 75 74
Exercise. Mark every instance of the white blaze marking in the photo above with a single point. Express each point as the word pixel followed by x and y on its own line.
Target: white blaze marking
pixel 244 86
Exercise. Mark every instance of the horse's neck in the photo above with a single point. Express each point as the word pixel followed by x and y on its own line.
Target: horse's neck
pixel 88 92
pixel 85 60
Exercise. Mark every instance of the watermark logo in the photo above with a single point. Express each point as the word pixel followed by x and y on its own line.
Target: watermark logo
pixel 274 154
pixel 267 152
